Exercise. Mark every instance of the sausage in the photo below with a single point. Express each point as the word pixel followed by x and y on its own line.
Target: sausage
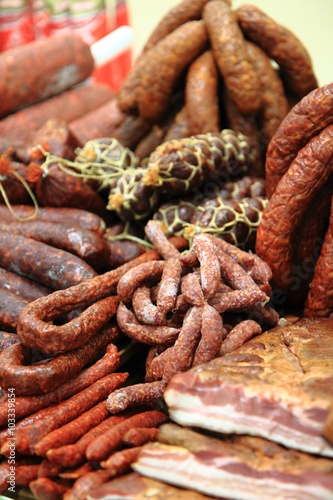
pixel 84 243
pixel 242 332
pixel 56 188
pixel 68 336
pixel 232 272
pixel 201 95
pixel 26 288
pixel 73 454
pixel 120 462
pixel 54 136
pixel 139 436
pixel 68 105
pixel 155 370
pixel 187 10
pixel 169 285
pixel 107 364
pixel 238 299
pixel 319 302
pixel 77 471
pixel 35 260
pixel 73 216
pixel 144 309
pixel 43 378
pixel 306 175
pixel 135 276
pixel 282 46
pixel 33 324
pixel 183 350
pixel 178 166
pixel 246 187
pixel 100 122
pixel 123 251
pixel 48 66
pixel 72 431
pixel 145 334
pixel 274 102
pixel 86 483
pixel 43 488
pixel 150 142
pixel 210 273
pixel 17 182
pixel 232 59
pixel 110 441
pixel 29 435
pixel 179 128
pixel 161 243
pixel 305 120
pixel 134 395
pixel 150 83
pixel 211 336
pixel 48 469
pixel 11 305
pixel 7 339
pixel 5 470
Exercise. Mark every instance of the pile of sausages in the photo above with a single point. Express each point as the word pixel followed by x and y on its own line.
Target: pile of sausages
pixel 295 234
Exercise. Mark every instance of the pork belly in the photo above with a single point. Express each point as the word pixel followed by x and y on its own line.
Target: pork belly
pixel 237 467
pixel 279 386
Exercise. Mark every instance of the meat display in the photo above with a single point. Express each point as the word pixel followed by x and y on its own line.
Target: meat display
pixel 277 386
pixel 241 467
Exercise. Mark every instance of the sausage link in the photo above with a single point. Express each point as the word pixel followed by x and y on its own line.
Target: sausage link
pixel 143 333
pixel 209 265
pixel 161 243
pixel 282 46
pixel 179 128
pixel 6 340
pixel 44 488
pixel 201 95
pixel 134 395
pixel 34 320
pixel 23 287
pixel 155 370
pixel 65 337
pixel 29 435
pixel 86 244
pixel 242 332
pixel 120 462
pixel 27 405
pixel 10 307
pixel 184 348
pixel 48 469
pixel 152 80
pixel 85 484
pixel 307 174
pixel 74 454
pixel 238 299
pixel 192 291
pixel 139 436
pixel 305 120
pixel 231 56
pixel 233 273
pixel 169 285
pixel 5 470
pixel 72 431
pixel 73 216
pixel 104 445
pixel 319 302
pixel 211 336
pixel 144 309
pixel 77 472
pixel 51 267
pixel 134 277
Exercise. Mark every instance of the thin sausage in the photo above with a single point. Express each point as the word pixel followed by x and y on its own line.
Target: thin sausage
pixel 209 265
pixel 135 395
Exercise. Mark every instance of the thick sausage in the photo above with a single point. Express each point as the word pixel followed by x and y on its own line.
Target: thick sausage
pixel 306 175
pixel 179 127
pixel 242 332
pixel 161 243
pixel 23 287
pixel 30 404
pixel 135 276
pixel 73 216
pixel 120 462
pixel 6 340
pixel 68 105
pixel 202 104
pixel 282 46
pixel 43 378
pixel 233 61
pixel 84 243
pixel 47 67
pixel 210 274
pixel 134 395
pixel 44 488
pixel 10 307
pixel 305 120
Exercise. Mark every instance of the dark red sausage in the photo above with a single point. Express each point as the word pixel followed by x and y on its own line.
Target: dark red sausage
pixel 23 287
pixel 10 307
pixel 69 105
pixel 74 216
pixel 6 340
pixel 45 488
pixel 51 267
pixel 43 378
pixel 27 405
pixel 84 243
pixel 47 67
